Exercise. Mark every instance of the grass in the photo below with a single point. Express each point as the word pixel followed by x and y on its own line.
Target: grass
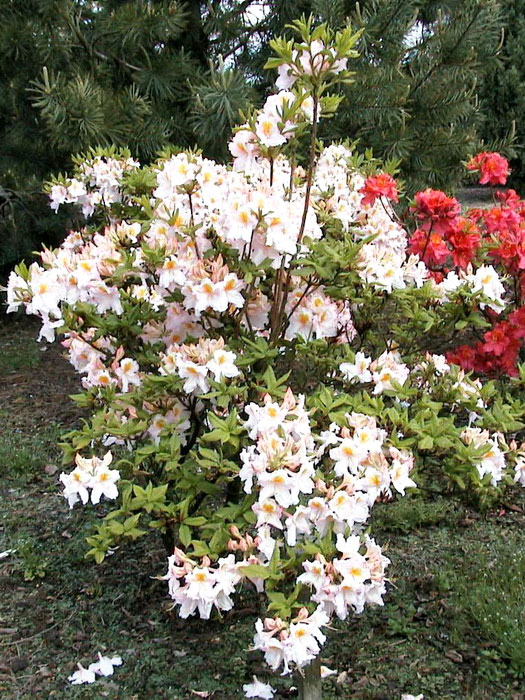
pixel 18 347
pixel 493 595
pixel 451 627
pixel 23 455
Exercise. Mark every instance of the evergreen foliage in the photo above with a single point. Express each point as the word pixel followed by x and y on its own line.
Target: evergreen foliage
pixel 77 74
pixel 427 116
pixel 503 95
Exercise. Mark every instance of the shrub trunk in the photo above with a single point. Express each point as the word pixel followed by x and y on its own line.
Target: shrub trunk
pixel 309 681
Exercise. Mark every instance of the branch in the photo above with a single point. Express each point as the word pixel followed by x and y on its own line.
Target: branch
pixel 440 63
pixel 95 52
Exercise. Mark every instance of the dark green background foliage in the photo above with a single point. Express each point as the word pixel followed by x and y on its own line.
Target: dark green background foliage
pixel 503 91
pixel 76 73
pixel 147 73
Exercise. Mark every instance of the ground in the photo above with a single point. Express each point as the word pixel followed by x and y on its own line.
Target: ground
pixel 452 627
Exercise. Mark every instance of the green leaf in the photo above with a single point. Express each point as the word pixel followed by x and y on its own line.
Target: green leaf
pixel 426 443
pixel 196 521
pixel 255 571
pixel 184 535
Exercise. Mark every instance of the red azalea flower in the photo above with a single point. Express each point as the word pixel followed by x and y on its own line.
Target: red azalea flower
pixel 465 239
pixel 494 170
pixel 499 353
pixel 437 275
pixel 511 249
pixel 509 198
pixel 493 167
pixel 499 219
pixel 465 356
pixel 377 186
pixel 432 249
pixel 500 339
pixel 475 162
pixel 435 210
pixel 484 361
pixel 517 318
pixel 475 214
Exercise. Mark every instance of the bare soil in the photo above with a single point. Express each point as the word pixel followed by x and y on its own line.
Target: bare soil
pixel 37 379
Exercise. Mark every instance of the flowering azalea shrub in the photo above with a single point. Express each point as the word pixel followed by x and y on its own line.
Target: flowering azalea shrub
pixel 267 351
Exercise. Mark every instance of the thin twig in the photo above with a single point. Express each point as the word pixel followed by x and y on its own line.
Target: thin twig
pixel 37 634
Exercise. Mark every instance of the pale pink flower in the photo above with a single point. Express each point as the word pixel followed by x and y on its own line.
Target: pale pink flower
pixel 105 665
pixel 268 512
pixel 83 675
pixel 210 295
pixel 314 574
pixel 347 456
pixel 103 483
pixel 358 369
pixel 244 149
pixel 128 373
pixel 399 474
pixel 267 130
pixel 258 690
pixel 57 196
pixel 279 484
pixel 286 77
pixel 195 376
pixel 76 486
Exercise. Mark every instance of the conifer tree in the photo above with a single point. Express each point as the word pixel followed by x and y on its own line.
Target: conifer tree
pixel 503 92
pixel 78 73
pixel 429 57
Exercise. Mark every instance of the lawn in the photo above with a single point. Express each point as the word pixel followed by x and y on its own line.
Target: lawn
pixel 452 627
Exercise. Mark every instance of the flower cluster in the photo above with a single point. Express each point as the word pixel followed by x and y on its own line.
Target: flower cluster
pixel 382 372
pixel 498 352
pixel 492 461
pixel 196 363
pixel 294 644
pixel 382 185
pixel 98 182
pixel 492 167
pixel 203 586
pixel 274 126
pixel 313 60
pixel 443 236
pixel 502 228
pixel 91 474
pixel 293 505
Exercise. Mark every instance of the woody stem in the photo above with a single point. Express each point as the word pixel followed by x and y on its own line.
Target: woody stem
pixel 426 243
pixel 280 303
pixel 309 681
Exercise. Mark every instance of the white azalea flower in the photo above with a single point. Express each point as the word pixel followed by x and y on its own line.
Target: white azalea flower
pixel 222 364
pixel 257 689
pixel 83 675
pixel 105 665
pixel 103 483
